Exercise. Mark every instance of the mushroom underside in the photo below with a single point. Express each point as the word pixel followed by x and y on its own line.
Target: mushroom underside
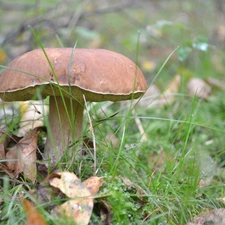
pixel 74 92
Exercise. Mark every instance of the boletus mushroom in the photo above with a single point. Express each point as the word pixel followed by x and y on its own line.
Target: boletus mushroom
pixel 67 75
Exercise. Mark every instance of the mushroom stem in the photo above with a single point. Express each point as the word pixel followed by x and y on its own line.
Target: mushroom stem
pixel 65 128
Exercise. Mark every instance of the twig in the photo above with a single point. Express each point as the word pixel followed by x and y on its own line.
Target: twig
pixel 144 137
pixel 150 214
pixel 93 136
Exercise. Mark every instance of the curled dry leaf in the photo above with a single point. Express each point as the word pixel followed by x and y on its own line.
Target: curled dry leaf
pixel 33 216
pixel 214 217
pixel 79 208
pixel 213 82
pixel 104 210
pixel 198 87
pixel 22 157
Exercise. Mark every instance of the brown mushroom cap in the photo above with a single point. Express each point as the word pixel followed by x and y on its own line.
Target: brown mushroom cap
pixel 98 74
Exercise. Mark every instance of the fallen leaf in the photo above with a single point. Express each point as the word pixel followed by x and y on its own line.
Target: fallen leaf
pixel 148 66
pixel 104 211
pixel 22 157
pixel 5 169
pixel 220 84
pixel 93 184
pixel 80 207
pixel 220 32
pixel 213 217
pixel 3 56
pixel 198 87
pixel 70 185
pixel 33 216
pixel 32 115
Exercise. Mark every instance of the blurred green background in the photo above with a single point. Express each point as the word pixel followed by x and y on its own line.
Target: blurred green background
pixel 146 31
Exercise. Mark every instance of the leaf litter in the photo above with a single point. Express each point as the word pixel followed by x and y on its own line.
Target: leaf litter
pixel 21 158
pixel 18 156
pixel 75 199
pixel 80 205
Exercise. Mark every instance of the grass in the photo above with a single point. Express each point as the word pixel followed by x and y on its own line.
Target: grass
pixel 157 181
pixel 161 190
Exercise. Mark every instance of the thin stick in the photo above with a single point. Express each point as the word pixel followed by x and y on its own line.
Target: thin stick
pixel 93 136
pixel 144 136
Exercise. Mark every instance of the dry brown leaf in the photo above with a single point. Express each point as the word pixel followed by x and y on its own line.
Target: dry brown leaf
pixel 22 157
pixel 79 208
pixel 93 184
pixel 220 32
pixel 33 216
pixel 213 82
pixel 3 56
pixel 105 212
pixel 198 87
pixel 4 168
pixel 215 217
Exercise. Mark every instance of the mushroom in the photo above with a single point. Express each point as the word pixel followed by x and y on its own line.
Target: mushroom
pixel 66 75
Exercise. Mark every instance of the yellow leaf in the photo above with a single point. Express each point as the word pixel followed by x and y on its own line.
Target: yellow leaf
pixel 81 202
pixel 22 157
pixel 3 56
pixel 148 65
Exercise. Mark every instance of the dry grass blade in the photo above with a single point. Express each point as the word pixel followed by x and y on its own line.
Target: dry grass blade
pixel 93 135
